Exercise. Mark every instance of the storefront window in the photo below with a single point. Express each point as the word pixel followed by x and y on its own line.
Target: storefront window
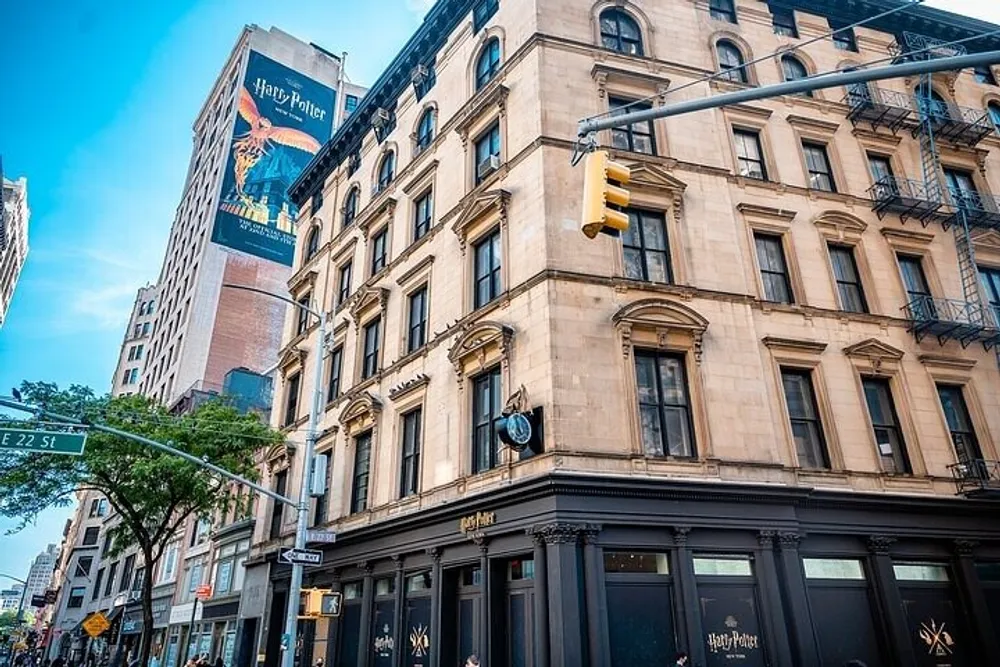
pixel 229 644
pixel 632 562
pixel 833 568
pixel 729 605
pixel 723 566
pixel 353 590
pixel 472 576
pixel 173 646
pixel 418 582
pixel 229 568
pixel 920 572
pixel 640 599
pixel 384 623
pixel 385 586
pixel 520 569
pixel 841 597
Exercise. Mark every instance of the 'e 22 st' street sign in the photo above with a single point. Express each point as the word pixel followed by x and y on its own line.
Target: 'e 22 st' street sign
pixel 49 442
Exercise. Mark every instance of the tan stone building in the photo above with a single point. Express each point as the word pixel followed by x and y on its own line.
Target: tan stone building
pixel 745 417
pixel 135 346
pixel 14 215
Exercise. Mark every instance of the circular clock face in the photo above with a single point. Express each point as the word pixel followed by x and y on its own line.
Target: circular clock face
pixel 519 428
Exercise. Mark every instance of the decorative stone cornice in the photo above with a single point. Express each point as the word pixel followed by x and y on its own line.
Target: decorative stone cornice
pixel 873 350
pixel 484 203
pixel 778 343
pixel 404 388
pixel 945 361
pixel 385 208
pixel 476 339
pixel 495 95
pixel 663 316
pixel 602 72
pixel 561 532
pixel 757 211
pixel 365 298
pixel 361 405
pixel 812 124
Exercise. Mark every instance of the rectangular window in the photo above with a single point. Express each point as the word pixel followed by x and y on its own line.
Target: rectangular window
pixel 168 569
pixel 323 501
pixel 783 21
pixel 962 188
pixel 956 414
pixel 350 104
pixel 723 10
pixel 127 570
pixel 843 38
pixel 292 400
pixel 920 572
pixel 336 367
pixel 369 364
pixel 278 509
pixel 487 269
pixel 664 404
pixel 409 474
pixel 833 568
pixel 818 164
pixel 984 74
pixel 90 536
pixel 486 405
pixel 880 168
pixel 106 547
pixel 109 583
pixel 417 328
pixel 646 247
pixel 302 315
pixel 989 279
pixel 723 566
pixel 379 250
pixel 96 592
pixel 918 294
pixel 83 566
pixel 885 424
pixel 616 562
pixel 145 329
pixel 637 137
pixel 362 462
pixel 344 284
pixel 317 202
pixel 807 429
pixel 749 156
pixel 773 270
pixel 422 211
pixel 76 595
pixel 482 12
pixel 845 272
pixel 487 152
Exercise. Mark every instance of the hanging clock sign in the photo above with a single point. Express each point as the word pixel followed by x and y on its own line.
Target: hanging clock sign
pixel 519 426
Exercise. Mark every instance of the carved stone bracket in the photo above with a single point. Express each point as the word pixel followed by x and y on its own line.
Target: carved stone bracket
pixel 562 532
pixel 964 547
pixel 367 567
pixel 681 535
pixel 590 533
pixel 879 544
pixel 765 539
pixel 789 541
pixel 397 561
pixel 482 541
pixel 434 553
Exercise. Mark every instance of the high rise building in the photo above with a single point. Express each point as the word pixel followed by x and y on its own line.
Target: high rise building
pixel 14 216
pixel 759 426
pixel 10 598
pixel 275 103
pixel 135 347
pixel 40 573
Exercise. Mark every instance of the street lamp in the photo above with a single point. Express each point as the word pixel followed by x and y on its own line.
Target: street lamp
pixel 302 520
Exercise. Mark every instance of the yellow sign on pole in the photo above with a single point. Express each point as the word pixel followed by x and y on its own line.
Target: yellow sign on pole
pixel 96 624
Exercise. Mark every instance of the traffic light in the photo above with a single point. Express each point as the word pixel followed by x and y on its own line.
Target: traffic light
pixel 598 169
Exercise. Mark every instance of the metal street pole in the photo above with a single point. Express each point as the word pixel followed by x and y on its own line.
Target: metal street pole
pixel 302 518
pixel 832 80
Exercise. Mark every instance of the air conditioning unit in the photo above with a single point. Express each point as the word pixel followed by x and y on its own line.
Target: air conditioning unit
pixel 381 118
pixel 488 166
pixel 419 74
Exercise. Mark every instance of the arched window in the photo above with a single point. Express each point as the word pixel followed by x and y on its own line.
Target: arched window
pixel 386 170
pixel 937 106
pixel 425 130
pixel 794 70
pixel 620 32
pixel 488 63
pixel 312 243
pixel 731 62
pixel 350 207
pixel 994 110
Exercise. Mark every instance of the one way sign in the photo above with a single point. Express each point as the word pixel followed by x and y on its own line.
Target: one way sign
pixel 300 556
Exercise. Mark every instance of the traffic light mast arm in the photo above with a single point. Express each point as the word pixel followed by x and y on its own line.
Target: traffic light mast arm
pixel 831 80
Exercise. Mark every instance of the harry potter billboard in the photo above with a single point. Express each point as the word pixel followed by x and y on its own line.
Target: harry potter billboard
pixel 284 118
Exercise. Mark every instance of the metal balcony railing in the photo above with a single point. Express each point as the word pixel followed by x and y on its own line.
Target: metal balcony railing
pixel 977 477
pixel 981 210
pixel 960 125
pixel 879 107
pixel 907 197
pixel 953 319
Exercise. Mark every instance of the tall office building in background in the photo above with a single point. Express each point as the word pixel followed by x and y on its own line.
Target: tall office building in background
pixel 13 237
pixel 40 574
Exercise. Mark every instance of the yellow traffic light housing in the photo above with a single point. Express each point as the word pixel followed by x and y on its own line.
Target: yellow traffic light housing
pixel 598 193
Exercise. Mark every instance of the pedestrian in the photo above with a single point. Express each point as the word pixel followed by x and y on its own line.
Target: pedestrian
pixel 681 660
pixel 191 662
pixel 318 663
pixel 472 661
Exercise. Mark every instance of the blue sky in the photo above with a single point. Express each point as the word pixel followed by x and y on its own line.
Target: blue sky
pixel 98 101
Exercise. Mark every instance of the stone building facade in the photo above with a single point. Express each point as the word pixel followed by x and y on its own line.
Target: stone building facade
pixel 747 431
pixel 14 216
pixel 135 346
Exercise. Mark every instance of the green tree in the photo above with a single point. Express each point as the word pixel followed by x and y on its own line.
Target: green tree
pixel 153 492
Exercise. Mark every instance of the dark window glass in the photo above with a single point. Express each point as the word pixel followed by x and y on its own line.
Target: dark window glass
pixel 83 566
pixel 845 271
pixel 723 10
pixel 773 270
pixel 409 474
pixel 292 400
pixel 362 462
pixel 984 74
pixel 344 284
pixel 336 370
pixel 350 207
pixel 323 501
pixel 482 12
pixel 317 202
pixel 818 164
pixel 631 562
pixel 486 405
pixel 731 62
pixel 794 70
pixel 353 163
pixel 97 585
pixel 127 569
pixel 350 104
pixel 386 171
pixel 302 315
pixel 783 21
pixel 646 247
pixel 109 583
pixel 425 130
pixel 369 364
pixel 487 269
pixel 664 405
pixel 417 333
pixel 380 250
pixel 487 146
pixel 962 189
pixel 989 278
pixel 637 137
pixel 620 32
pixel 76 595
pixel 488 63
pixel 913 277
pixel 885 423
pixel 90 535
pixel 312 243
pixel 278 509
pixel 749 156
pixel 880 168
pixel 844 38
pixel 807 430
pixel 423 209
pixel 994 110
pixel 956 414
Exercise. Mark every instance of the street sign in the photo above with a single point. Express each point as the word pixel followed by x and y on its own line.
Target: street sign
pixel 47 442
pixel 325 536
pixel 300 556
pixel 50 596
pixel 203 592
pixel 96 624
pixel 38 601
pixel 330 605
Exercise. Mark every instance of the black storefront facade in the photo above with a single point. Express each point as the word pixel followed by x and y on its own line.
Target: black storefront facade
pixel 570 570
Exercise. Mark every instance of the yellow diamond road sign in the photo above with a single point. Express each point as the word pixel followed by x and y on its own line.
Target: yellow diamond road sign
pixel 96 624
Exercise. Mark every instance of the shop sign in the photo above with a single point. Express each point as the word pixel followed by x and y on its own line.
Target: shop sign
pixel 733 643
pixel 474 522
pixel 936 638
pixel 384 643
pixel 420 643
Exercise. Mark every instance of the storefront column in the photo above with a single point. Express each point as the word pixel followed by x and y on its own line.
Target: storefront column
pixel 691 641
pixel 971 594
pixel 333 631
pixel 597 603
pixel 799 616
pixel 541 609
pixel 485 606
pixel 436 593
pixel 566 601
pixel 773 614
pixel 891 602
pixel 367 602
pixel 398 651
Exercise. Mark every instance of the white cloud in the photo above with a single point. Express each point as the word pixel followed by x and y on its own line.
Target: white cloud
pixel 419 7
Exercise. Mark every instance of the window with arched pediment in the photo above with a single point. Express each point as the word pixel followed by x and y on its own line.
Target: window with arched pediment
pixel 351 206
pixel 312 243
pixel 793 69
pixel 731 63
pixel 386 170
pixel 620 32
pixel 488 62
pixel 425 130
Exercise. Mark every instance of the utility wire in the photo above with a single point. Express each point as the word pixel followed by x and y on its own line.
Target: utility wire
pixel 782 51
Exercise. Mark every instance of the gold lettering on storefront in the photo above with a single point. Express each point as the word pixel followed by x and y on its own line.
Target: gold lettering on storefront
pixel 473 522
pixel 733 643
